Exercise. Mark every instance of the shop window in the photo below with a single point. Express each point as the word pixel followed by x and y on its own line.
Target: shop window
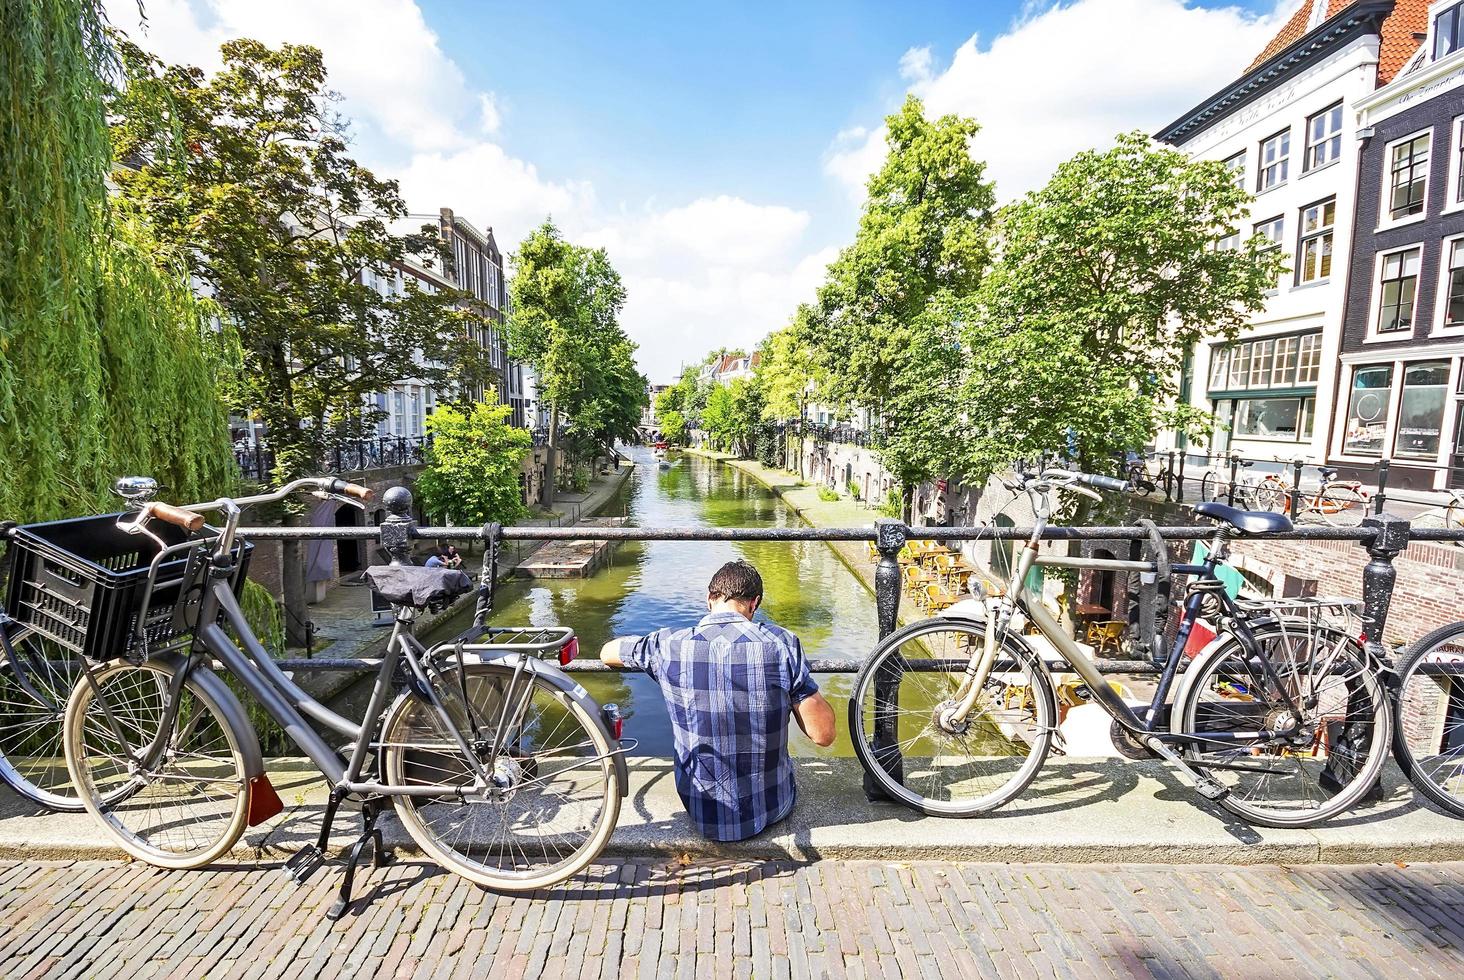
pixel 1367 409
pixel 1421 409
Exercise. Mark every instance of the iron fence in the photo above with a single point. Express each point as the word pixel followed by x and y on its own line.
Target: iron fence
pixel 1232 478
pixel 257 462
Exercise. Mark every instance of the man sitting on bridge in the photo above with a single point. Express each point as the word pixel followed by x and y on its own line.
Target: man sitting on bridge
pixel 730 685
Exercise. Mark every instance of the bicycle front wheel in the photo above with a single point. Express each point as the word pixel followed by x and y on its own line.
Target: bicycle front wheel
pixel 1341 506
pixel 185 809
pixel 1211 489
pixel 907 740
pixel 554 792
pixel 1321 691
pixel 1428 737
pixel 35 681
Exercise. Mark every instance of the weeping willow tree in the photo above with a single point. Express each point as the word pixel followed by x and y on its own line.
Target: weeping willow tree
pixel 108 362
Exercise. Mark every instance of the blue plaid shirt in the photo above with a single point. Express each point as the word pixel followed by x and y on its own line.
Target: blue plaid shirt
pixel 729 686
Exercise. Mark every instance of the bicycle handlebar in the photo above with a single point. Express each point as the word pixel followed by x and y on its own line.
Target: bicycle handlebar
pixel 188 520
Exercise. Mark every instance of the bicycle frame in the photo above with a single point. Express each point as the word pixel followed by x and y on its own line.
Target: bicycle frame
pixel 1018 597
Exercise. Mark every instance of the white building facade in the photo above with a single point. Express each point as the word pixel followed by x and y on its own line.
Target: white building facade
pixel 1288 131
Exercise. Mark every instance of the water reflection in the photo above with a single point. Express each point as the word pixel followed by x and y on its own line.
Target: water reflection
pixel 652 584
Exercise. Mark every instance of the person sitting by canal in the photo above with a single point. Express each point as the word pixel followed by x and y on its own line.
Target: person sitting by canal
pixel 434 559
pixel 451 558
pixel 731 683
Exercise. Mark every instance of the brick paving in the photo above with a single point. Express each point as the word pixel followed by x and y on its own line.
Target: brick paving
pixel 739 919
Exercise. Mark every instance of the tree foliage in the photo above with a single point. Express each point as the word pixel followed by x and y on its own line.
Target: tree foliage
pixel 923 242
pixel 106 362
pixel 788 373
pixel 245 175
pixel 672 425
pixel 565 325
pixel 1107 277
pixel 473 467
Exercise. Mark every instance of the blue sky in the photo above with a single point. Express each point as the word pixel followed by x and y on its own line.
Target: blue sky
pixel 718 151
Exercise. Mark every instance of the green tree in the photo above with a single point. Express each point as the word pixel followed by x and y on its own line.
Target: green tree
pixel 788 370
pixel 923 240
pixel 672 425
pixel 245 175
pixel 106 362
pixel 1107 277
pixel 717 417
pixel 565 324
pixel 473 467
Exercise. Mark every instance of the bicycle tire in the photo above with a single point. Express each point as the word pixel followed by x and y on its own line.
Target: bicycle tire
pixel 408 756
pixel 152 826
pixel 1341 506
pixel 1043 723
pixel 1227 662
pixel 1416 705
pixel 1273 495
pixel 1209 488
pixel 32 722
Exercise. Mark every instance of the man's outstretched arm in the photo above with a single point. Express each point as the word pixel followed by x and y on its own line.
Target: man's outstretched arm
pixel 610 652
pixel 816 717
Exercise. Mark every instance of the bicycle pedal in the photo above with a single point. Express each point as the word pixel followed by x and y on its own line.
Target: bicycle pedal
pixel 337 909
pixel 303 863
pixel 1209 788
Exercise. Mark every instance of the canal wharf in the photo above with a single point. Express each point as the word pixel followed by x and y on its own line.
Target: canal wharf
pixel 571 559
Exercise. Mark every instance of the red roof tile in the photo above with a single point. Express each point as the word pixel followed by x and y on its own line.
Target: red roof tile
pixel 1397 45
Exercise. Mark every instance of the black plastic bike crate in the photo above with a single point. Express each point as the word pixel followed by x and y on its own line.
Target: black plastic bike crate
pixel 80 582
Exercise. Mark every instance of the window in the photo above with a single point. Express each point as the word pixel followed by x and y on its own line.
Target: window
pixel 1283 371
pixel 1236 166
pixel 1448 31
pixel 1453 284
pixel 1281 362
pixel 1367 410
pixel 1323 138
pixel 1229 243
pixel 1309 363
pixel 1457 184
pixel 1285 419
pixel 1398 289
pixel 1314 255
pixel 1408 176
pixel 1275 161
pixel 1421 409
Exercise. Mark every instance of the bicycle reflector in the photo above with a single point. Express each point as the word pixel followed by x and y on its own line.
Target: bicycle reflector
pixel 569 651
pixel 614 720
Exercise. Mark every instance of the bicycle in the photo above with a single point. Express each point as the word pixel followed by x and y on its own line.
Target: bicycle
pixel 1340 503
pixel 1285 727
pixel 1218 486
pixel 498 765
pixel 1449 516
pixel 1428 740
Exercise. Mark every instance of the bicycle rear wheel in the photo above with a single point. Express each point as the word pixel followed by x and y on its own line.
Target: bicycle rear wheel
pixel 189 807
pixel 1211 488
pixel 1324 691
pixel 35 682
pixel 951 769
pixel 555 796
pixel 1428 735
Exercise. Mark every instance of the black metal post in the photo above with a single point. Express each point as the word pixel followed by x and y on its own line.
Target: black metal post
pixel 1378 577
pixel 1295 487
pixel 1381 496
pixel 1179 479
pixel 1169 479
pixel 1234 476
pixel 890 537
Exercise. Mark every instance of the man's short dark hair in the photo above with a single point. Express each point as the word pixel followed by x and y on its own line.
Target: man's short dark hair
pixel 736 580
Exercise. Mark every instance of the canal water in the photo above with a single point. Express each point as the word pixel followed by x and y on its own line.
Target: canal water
pixel 648 585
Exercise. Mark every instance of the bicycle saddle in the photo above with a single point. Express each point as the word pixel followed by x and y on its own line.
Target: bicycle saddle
pixel 1245 521
pixel 1328 473
pixel 416 585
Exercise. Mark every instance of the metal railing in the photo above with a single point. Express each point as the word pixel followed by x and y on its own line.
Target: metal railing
pixel 1383 536
pixel 351 456
pixel 1189 476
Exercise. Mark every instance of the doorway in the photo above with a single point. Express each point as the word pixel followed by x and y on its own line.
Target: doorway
pixel 349 552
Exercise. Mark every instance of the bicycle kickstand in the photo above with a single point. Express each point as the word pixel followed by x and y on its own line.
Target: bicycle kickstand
pixel 370 834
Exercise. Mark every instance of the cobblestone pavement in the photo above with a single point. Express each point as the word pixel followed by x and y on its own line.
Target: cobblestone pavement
pixel 771 919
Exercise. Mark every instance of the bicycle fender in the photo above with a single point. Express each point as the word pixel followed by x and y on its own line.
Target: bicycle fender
pixel 228 702
pixel 573 690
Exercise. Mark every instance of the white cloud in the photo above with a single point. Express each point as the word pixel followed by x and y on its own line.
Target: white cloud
pixel 716 270
pixel 1069 76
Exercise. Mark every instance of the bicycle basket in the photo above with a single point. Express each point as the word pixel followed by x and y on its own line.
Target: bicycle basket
pixel 80 582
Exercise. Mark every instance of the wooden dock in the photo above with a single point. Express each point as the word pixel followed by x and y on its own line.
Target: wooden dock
pixel 572 559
